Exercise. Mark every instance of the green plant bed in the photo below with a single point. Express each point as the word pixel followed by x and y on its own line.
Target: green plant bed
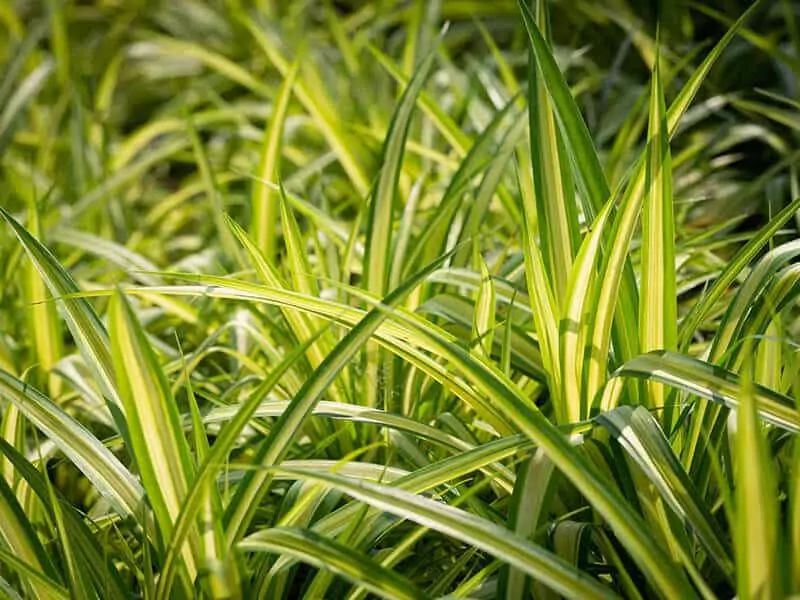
pixel 336 300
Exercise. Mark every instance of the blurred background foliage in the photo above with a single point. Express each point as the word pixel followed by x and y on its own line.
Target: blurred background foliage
pixel 96 98
pixel 105 69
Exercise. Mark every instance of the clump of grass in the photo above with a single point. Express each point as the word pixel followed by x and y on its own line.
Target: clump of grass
pixel 319 308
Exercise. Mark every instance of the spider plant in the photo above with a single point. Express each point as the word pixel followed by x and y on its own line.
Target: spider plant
pixel 314 306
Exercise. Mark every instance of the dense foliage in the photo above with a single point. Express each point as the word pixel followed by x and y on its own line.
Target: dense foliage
pixel 400 299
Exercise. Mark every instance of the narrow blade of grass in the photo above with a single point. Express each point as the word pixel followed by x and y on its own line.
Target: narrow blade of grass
pixel 552 177
pixel 573 328
pixel 658 305
pixel 158 443
pixel 543 304
pixel 385 198
pixel 483 322
pixel 314 549
pixel 532 490
pixel 380 217
pixel 756 532
pixel 44 320
pixel 589 174
pixel 705 380
pixel 263 201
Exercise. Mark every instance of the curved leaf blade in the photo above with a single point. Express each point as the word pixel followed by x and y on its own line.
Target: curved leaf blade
pixel 461 525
